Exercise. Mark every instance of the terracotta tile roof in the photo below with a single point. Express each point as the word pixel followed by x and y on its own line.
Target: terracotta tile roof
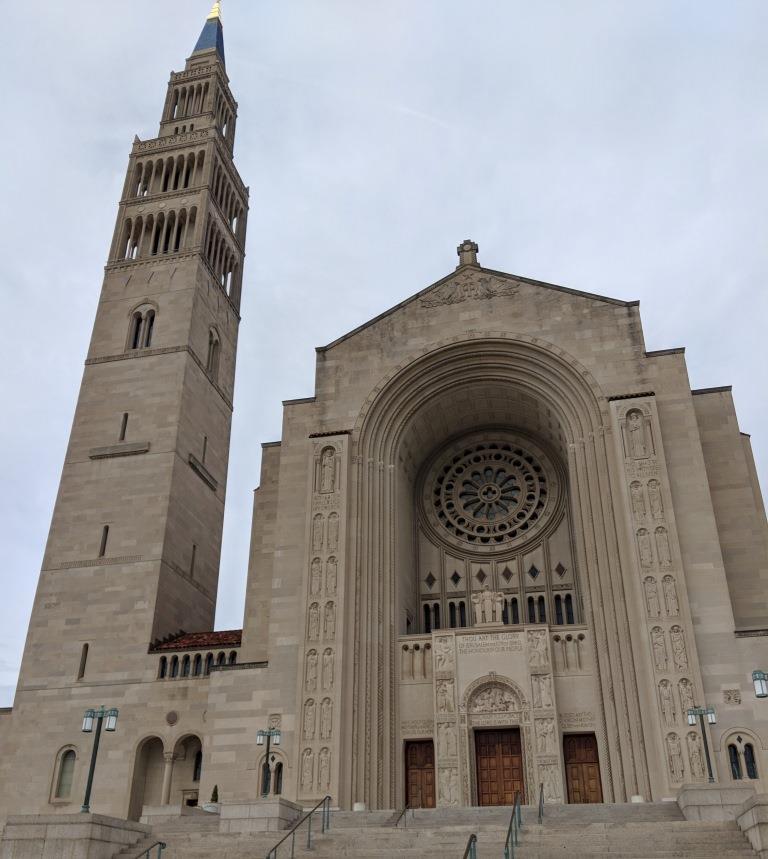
pixel 202 640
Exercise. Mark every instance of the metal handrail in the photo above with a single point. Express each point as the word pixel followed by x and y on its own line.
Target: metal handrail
pixel 403 814
pixel 541 803
pixel 160 847
pixel 326 825
pixel 471 851
pixel 515 825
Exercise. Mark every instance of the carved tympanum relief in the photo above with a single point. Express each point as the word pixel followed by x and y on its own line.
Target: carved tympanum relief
pixel 469 286
pixel 495 699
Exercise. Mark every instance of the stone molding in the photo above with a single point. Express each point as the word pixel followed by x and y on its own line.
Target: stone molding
pixel 121 449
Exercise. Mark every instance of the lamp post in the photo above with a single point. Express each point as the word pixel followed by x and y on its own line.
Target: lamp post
pixel 270 736
pixel 760 679
pixel 700 713
pixel 100 716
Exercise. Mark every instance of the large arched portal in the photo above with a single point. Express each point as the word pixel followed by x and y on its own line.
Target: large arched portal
pixel 485 463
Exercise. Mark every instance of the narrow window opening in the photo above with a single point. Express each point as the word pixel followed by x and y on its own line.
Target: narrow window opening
pixel 104 540
pixel 123 426
pixel 462 614
pixel 515 612
pixel 542 610
pixel 197 669
pixel 569 616
pixel 427 619
pixel 198 768
pixel 174 667
pixel 750 761
pixel 83 662
pixel 505 613
pixel 136 331
pixel 205 448
pixel 559 617
pixel 435 616
pixel 531 610
pixel 66 775
pixel 221 659
pixel 208 664
pixel 452 615
pixel 193 560
pixel 150 328
pixel 162 671
pixel 278 779
pixel 735 761
pixel 233 658
pixel 186 666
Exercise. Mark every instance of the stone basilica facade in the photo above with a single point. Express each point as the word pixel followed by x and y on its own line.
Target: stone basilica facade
pixel 502 546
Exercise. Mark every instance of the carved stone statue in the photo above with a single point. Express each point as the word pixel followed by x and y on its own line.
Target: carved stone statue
pixel 328 669
pixel 445 696
pixel 333 532
pixel 638 500
pixel 675 756
pixel 638 446
pixel 443 654
pixel 449 786
pixel 307 769
pixel 538 653
pixel 667 702
pixel 309 720
pixel 542 691
pixel 313 627
pixel 317 533
pixel 670 597
pixel 328 470
pixel 662 547
pixel 654 496
pixel 331 575
pixel 545 736
pixel 315 577
pixel 644 545
pixel 446 741
pixel 324 769
pixel 695 755
pixel 549 780
pixel 330 621
pixel 679 653
pixel 311 675
pixel 685 688
pixel 326 719
pixel 487 606
pixel 659 643
pixel 652 601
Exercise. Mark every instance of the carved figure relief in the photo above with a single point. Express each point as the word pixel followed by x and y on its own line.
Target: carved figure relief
pixel 310 719
pixel 542 691
pixel 317 533
pixel 695 755
pixel 447 746
pixel 659 644
pixel 324 769
pixel 495 699
pixel 445 696
pixel 654 496
pixel 313 626
pixel 328 669
pixel 549 780
pixel 331 576
pixel 487 606
pixel 326 719
pixel 679 653
pixel 636 434
pixel 670 597
pixel 275 722
pixel 315 577
pixel 466 287
pixel 307 769
pixel 675 757
pixel 328 470
pixel 329 626
pixel 652 601
pixel 310 683
pixel 685 687
pixel 538 653
pixel 667 702
pixel 545 736
pixel 333 532
pixel 443 654
pixel 645 548
pixel 732 696
pixel 662 547
pixel 449 786
pixel 638 500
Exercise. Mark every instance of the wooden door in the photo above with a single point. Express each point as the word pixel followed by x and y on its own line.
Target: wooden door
pixel 499 756
pixel 582 768
pixel 420 774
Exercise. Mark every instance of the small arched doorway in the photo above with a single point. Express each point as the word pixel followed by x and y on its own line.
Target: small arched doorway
pixel 148 771
pixel 187 772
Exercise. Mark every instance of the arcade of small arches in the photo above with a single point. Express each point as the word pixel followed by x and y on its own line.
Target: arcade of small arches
pixel 174 667
pixel 186 102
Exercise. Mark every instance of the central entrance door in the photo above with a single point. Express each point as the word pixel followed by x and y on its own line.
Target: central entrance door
pixel 582 768
pixel 499 756
pixel 420 774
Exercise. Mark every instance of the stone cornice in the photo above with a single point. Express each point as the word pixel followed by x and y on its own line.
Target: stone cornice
pixel 202 472
pixel 120 449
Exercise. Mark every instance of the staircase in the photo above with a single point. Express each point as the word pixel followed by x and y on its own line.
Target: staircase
pixel 643 831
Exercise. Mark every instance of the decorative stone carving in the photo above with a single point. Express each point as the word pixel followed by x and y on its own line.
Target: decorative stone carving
pixel 670 597
pixel 310 681
pixel 310 719
pixel 328 470
pixel 652 601
pixel 326 719
pixel 638 500
pixel 675 757
pixel 695 755
pixel 313 625
pixel 542 691
pixel 732 696
pixel 662 547
pixel 331 576
pixel 324 769
pixel 445 702
pixel 275 722
pixel 329 623
pixel 667 700
pixel 487 606
pixel 447 746
pixel 333 532
pixel 685 687
pixel 545 736
pixel 328 669
pixel 317 532
pixel 654 496
pixel 469 286
pixel 637 435
pixel 549 779
pixel 307 769
pixel 538 651
pixel 645 548
pixel 444 660
pixel 679 652
pixel 495 699
pixel 659 644
pixel 315 577
pixel 449 786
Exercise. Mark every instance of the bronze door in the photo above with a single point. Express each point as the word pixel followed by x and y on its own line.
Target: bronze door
pixel 582 768
pixel 420 774
pixel 499 757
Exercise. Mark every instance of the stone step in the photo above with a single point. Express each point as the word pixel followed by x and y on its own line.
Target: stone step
pixel 138 849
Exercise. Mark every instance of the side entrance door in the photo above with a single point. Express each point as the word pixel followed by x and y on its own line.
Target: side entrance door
pixel 582 768
pixel 420 774
pixel 499 756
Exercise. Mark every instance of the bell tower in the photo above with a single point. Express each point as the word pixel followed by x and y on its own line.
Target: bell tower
pixel 134 546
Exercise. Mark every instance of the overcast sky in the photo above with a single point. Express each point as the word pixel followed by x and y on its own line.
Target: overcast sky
pixel 611 146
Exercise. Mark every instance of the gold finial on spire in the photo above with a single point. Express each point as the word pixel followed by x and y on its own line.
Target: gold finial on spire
pixel 216 11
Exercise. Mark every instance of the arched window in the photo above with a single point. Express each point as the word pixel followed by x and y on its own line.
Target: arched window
pixel 531 610
pixel 233 658
pixel 65 775
pixel 436 616
pixel 162 671
pixel 462 614
pixel 452 615
pixel 542 610
pixel 208 664
pixel 505 612
pixel 266 778
pixel 427 619
pixel 278 780
pixel 750 761
pixel 186 665
pixel 197 668
pixel 222 659
pixel 149 327
pixel 135 338
pixel 569 616
pixel 83 662
pixel 515 611
pixel 141 329
pixel 197 771
pixel 175 667
pixel 735 761
pixel 558 610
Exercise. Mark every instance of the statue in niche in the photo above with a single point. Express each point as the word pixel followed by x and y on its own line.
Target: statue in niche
pixel 328 470
pixel 445 696
pixel 486 604
pixel 307 769
pixel 638 500
pixel 662 547
pixel 685 688
pixel 324 769
pixel 309 720
pixel 537 646
pixel 679 653
pixel 314 622
pixel 328 669
pixel 542 691
pixel 326 719
pixel 667 702
pixel 330 621
pixel 638 446
pixel 545 736
pixel 443 654
pixel 654 496
pixel 695 755
pixel 315 577
pixel 659 643
pixel 675 756
pixel 331 576
pixel 644 545
pixel 447 746
pixel 670 597
pixel 652 600
pixel 317 533
pixel 311 674
pixel 449 786
pixel 333 532
pixel 549 780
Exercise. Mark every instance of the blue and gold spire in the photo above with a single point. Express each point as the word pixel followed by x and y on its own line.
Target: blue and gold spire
pixel 212 36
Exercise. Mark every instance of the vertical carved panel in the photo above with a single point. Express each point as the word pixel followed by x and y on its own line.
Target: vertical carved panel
pixel 446 719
